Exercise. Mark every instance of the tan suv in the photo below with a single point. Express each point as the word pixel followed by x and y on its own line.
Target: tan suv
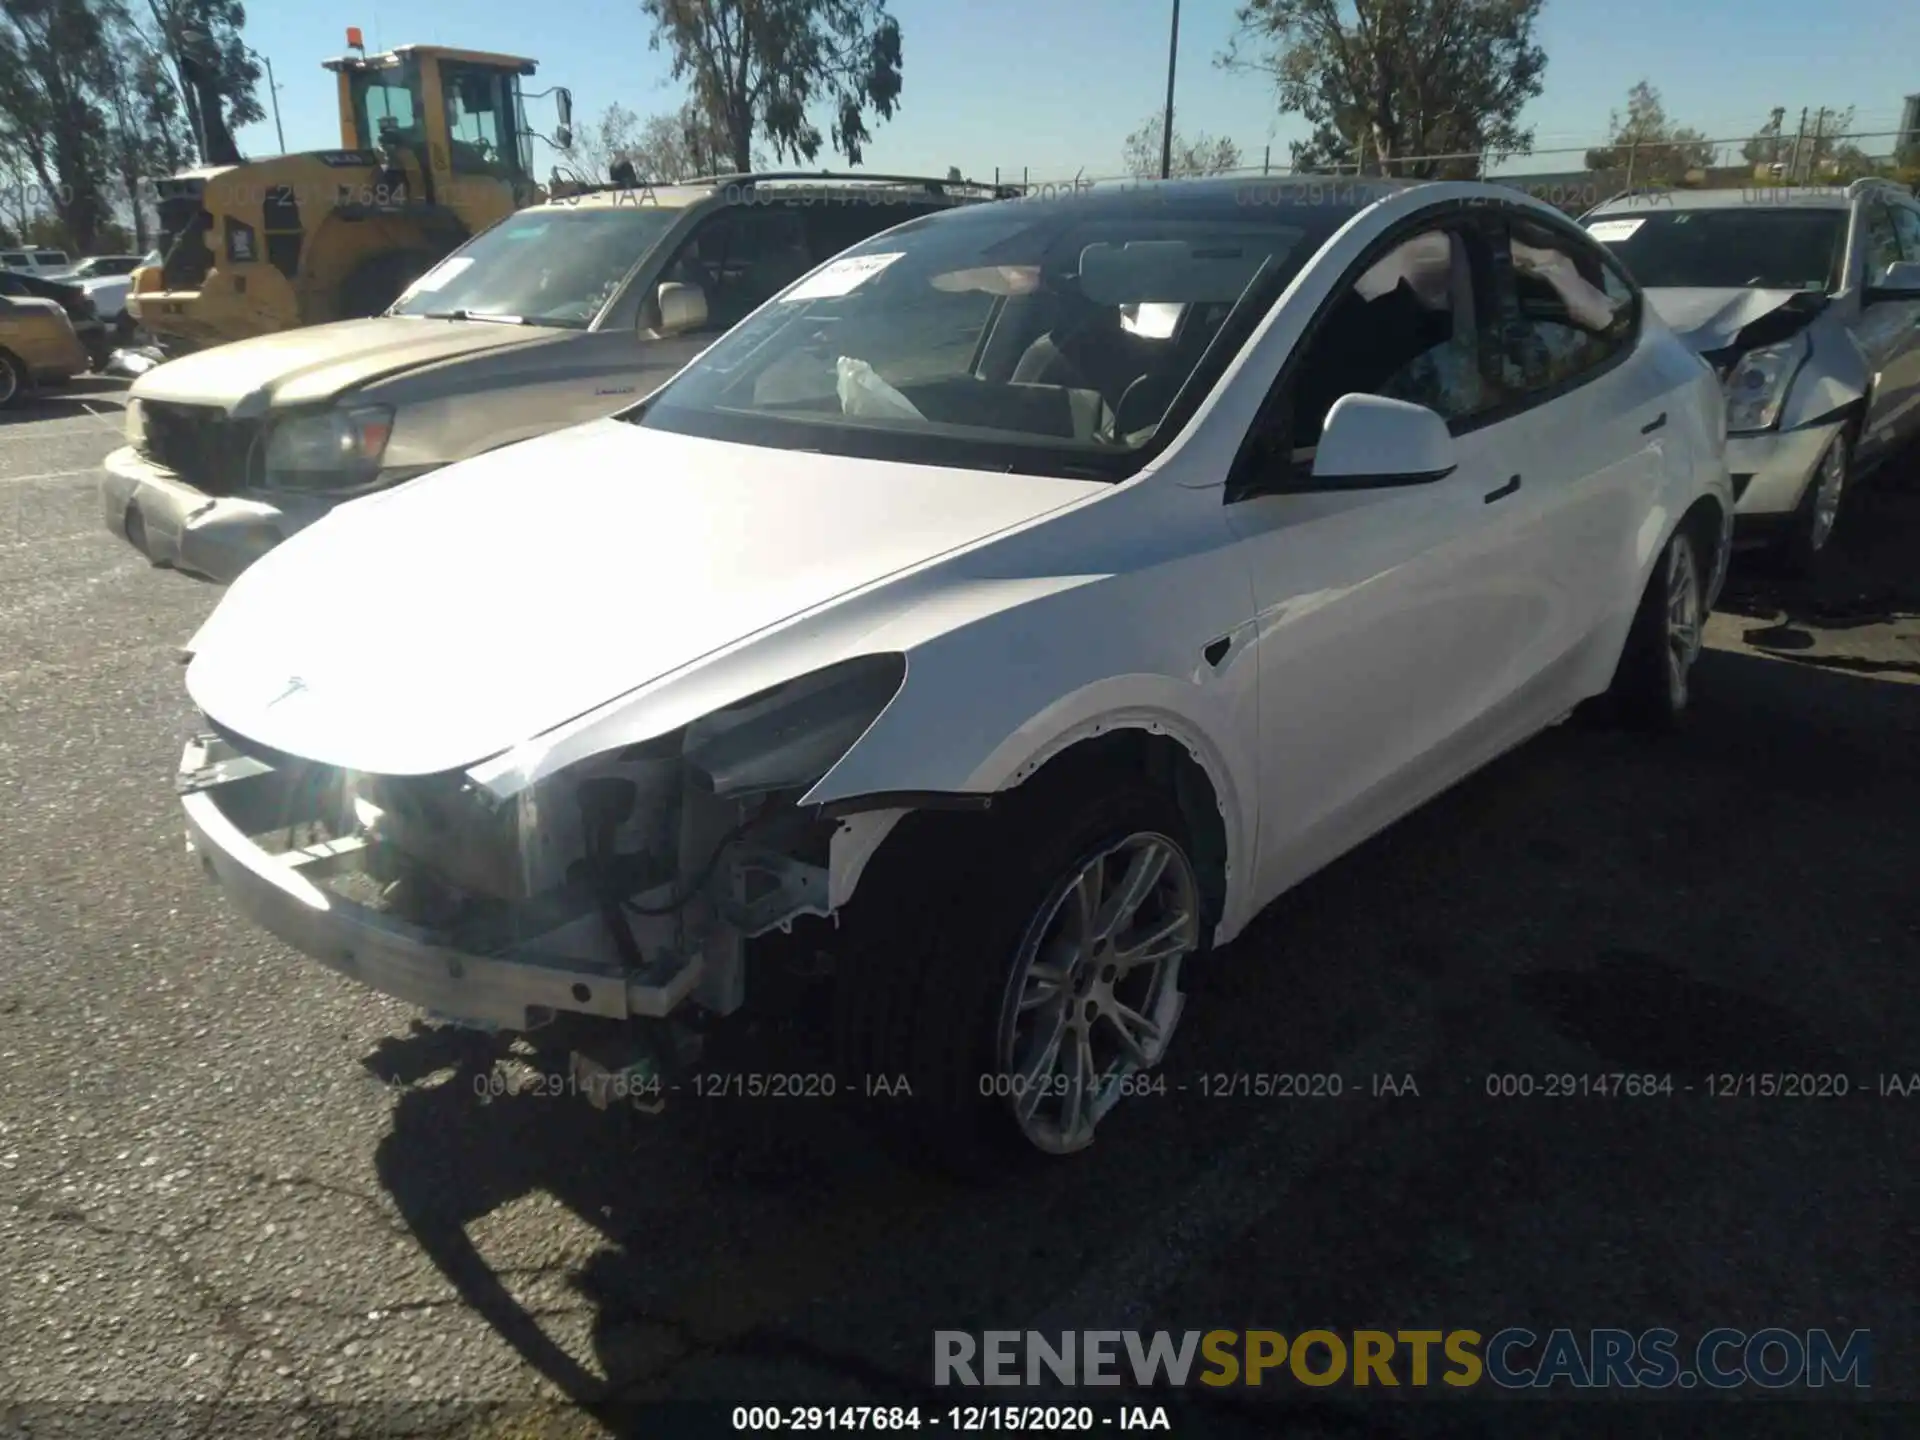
pixel 560 313
pixel 38 346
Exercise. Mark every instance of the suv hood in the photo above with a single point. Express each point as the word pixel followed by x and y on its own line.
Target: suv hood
pixel 1711 320
pixel 313 364
pixel 429 627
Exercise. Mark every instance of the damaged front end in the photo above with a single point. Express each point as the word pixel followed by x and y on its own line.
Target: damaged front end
pixel 623 887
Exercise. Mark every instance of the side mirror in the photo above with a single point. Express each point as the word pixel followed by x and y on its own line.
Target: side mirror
pixel 563 137
pixel 1369 441
pixel 682 308
pixel 1900 282
pixel 563 107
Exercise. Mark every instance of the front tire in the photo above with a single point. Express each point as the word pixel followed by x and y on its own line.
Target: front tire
pixel 1651 686
pixel 1809 537
pixel 1021 1008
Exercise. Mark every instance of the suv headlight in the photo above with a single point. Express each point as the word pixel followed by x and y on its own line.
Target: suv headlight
pixel 1758 382
pixel 340 447
pixel 136 432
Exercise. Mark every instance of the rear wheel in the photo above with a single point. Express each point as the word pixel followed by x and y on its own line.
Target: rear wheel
pixel 1651 686
pixel 13 380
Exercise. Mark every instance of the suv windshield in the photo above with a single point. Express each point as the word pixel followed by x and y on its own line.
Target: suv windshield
pixel 541 267
pixel 1021 336
pixel 1733 249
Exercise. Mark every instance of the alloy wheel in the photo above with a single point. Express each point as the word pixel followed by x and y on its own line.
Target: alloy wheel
pixel 1829 485
pixel 1684 620
pixel 1094 993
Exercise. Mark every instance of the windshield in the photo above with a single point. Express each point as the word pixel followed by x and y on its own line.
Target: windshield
pixel 542 267
pixel 1732 249
pixel 387 104
pixel 1020 336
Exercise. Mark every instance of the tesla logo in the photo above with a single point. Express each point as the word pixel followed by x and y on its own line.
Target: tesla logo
pixel 294 686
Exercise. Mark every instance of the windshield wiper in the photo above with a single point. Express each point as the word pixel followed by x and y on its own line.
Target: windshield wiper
pixel 493 315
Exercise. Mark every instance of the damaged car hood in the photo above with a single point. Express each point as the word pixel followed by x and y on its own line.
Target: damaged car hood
pixel 432 626
pixel 316 362
pixel 1711 320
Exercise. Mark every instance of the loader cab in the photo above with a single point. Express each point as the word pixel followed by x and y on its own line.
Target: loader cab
pixel 450 120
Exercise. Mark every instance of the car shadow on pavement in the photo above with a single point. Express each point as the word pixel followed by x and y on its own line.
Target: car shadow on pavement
pixel 1713 902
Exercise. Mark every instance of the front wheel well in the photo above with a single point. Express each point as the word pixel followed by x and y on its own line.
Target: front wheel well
pixel 1125 754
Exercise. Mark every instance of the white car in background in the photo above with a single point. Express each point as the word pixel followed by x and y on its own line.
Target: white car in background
pixel 1008 610
pixel 1807 303
pixel 109 296
pixel 45 263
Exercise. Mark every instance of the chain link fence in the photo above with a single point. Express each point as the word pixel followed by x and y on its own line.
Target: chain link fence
pixel 1805 159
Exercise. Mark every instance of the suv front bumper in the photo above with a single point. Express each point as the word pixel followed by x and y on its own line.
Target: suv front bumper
pixel 1771 472
pixel 180 527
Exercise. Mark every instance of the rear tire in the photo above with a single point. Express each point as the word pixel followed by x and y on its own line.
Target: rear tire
pixel 973 976
pixel 1651 689
pixel 13 380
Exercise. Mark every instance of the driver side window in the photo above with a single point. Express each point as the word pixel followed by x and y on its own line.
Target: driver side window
pixel 1407 329
pixel 741 258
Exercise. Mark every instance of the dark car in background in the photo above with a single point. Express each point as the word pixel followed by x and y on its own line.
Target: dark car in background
pixel 87 324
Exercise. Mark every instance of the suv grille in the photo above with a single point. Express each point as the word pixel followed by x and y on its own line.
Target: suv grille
pixel 201 444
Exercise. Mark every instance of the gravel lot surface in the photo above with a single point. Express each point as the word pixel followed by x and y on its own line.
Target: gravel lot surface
pixel 227 1174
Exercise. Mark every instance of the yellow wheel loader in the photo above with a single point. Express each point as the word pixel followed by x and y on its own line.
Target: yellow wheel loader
pixel 434 148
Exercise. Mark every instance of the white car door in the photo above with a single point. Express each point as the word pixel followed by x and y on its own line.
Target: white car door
pixel 1388 619
pixel 1884 331
pixel 1902 363
pixel 1590 406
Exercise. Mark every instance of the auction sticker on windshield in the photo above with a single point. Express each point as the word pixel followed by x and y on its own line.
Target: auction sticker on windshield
pixel 439 275
pixel 842 277
pixel 1608 231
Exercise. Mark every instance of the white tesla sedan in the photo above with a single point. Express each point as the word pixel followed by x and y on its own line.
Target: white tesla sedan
pixel 1011 608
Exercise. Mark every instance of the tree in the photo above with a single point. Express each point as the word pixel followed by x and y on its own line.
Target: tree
pixel 675 146
pixel 216 74
pixel 1829 152
pixel 954 176
pixel 1648 143
pixel 1202 155
pixel 50 63
pixel 1391 84
pixel 147 132
pixel 1770 145
pixel 760 66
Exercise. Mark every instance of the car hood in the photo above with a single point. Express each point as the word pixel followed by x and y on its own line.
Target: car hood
pixel 1710 320
pixel 314 363
pixel 435 625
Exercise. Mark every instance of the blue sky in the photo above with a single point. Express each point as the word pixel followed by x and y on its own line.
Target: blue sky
pixel 1055 85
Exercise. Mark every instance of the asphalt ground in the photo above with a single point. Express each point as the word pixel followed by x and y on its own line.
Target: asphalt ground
pixel 228 1176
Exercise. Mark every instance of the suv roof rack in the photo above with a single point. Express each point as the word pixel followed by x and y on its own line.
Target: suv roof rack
pixel 933 184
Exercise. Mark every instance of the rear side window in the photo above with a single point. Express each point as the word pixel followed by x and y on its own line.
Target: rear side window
pixel 1906 226
pixel 15 257
pixel 1883 241
pixel 52 257
pixel 1571 311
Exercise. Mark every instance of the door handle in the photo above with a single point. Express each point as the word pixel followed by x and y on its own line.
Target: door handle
pixel 1504 491
pixel 1654 424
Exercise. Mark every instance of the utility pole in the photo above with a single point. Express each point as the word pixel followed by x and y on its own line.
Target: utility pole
pixel 273 92
pixel 1166 121
pixel 1813 153
pixel 1793 159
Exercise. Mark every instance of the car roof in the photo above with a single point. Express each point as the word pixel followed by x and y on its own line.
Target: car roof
pixel 1750 197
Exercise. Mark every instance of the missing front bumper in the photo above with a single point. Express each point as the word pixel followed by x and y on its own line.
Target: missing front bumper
pixel 233 801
